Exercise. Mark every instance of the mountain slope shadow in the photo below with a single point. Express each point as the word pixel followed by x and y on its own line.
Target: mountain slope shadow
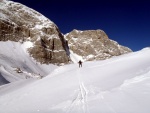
pixel 3 80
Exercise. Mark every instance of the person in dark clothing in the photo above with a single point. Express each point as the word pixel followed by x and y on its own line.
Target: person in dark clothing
pixel 80 63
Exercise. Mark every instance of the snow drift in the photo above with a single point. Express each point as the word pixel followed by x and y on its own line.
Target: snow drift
pixel 117 85
pixel 14 55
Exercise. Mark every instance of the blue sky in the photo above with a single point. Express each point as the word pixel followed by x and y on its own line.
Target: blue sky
pixel 125 21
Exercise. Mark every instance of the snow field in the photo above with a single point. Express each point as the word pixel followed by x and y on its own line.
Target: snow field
pixel 117 85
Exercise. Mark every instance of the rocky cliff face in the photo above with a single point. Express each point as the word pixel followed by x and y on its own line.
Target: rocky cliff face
pixel 94 45
pixel 20 23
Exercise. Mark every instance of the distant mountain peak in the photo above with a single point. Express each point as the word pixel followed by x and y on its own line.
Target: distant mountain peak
pixel 94 45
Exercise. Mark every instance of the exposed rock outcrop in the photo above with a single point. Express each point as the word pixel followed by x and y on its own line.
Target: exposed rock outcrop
pixel 94 45
pixel 20 23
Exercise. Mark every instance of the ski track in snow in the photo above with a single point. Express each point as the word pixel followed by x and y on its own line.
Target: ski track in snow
pixel 81 97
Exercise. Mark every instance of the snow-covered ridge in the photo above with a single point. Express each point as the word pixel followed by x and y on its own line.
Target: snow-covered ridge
pixel 14 8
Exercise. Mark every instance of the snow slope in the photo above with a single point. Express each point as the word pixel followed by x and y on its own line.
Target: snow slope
pixel 15 55
pixel 117 85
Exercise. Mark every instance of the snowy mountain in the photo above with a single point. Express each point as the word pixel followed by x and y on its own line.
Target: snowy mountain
pixel 20 23
pixel 94 45
pixel 29 42
pixel 29 82
pixel 120 84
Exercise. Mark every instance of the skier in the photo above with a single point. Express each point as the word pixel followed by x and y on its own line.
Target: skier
pixel 80 63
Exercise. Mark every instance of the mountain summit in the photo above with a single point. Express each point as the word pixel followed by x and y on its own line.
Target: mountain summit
pixel 94 45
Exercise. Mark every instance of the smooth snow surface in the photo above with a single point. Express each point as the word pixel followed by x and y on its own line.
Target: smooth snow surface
pixel 117 85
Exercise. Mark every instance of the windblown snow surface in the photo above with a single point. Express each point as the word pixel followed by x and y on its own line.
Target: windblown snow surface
pixel 14 55
pixel 117 85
